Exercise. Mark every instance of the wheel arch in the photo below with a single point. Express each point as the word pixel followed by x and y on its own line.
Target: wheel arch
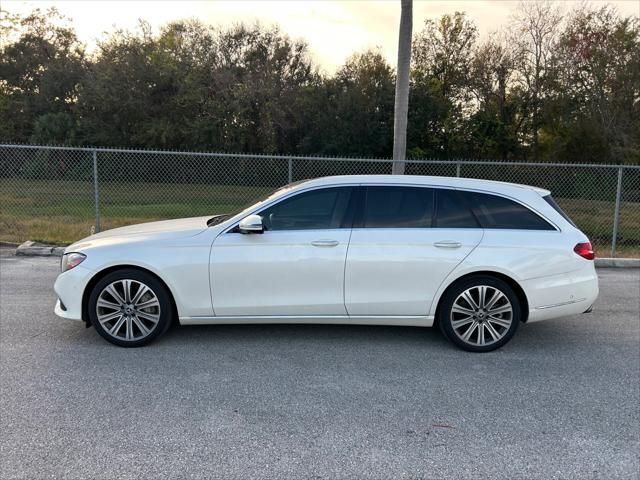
pixel 113 268
pixel 517 288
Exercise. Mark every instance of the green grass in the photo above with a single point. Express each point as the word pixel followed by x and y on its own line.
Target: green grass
pixel 60 212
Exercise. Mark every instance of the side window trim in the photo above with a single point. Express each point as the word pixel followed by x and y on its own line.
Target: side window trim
pixel 359 198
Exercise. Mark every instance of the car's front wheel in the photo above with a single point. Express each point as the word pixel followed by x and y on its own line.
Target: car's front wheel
pixel 480 313
pixel 130 308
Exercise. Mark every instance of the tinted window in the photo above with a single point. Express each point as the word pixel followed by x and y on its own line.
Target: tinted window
pixel 398 207
pixel 318 209
pixel 550 200
pixel 498 212
pixel 453 211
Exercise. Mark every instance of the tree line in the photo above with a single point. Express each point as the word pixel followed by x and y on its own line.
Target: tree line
pixel 549 86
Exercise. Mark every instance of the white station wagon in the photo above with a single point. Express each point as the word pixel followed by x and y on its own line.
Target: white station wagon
pixel 475 257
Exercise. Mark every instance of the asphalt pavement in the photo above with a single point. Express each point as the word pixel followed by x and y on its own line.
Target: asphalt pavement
pixel 561 400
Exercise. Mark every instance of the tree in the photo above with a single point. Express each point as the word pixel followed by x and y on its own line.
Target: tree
pixel 41 65
pixel 442 59
pixel 401 110
pixel 257 87
pixel 493 127
pixel 599 94
pixel 352 113
pixel 534 36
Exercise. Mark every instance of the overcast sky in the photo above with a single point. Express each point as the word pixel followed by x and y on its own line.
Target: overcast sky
pixel 333 29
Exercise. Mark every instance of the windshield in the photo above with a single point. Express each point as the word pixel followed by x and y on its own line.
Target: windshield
pixel 281 191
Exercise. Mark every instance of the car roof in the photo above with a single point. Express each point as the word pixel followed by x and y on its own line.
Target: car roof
pixel 454 182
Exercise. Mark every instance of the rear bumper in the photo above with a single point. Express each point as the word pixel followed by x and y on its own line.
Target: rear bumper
pixel 562 295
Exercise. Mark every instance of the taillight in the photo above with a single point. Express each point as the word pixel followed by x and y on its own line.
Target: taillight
pixel 585 250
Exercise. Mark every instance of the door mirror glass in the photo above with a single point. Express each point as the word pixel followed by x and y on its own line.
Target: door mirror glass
pixel 251 224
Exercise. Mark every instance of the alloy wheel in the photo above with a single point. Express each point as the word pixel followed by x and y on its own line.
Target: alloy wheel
pixel 481 315
pixel 128 310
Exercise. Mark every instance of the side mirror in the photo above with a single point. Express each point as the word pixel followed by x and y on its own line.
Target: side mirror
pixel 251 224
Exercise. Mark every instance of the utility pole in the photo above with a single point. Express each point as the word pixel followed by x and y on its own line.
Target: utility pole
pixel 401 111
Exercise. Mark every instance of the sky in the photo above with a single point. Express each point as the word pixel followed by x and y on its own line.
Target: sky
pixel 334 29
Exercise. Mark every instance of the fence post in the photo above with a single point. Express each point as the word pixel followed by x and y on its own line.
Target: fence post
pixel 616 213
pixel 457 169
pixel 95 188
pixel 290 170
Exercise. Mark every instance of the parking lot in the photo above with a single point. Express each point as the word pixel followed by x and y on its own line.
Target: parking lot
pixel 561 400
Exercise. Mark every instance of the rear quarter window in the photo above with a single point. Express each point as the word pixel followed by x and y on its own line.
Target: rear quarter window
pixel 494 211
pixel 551 201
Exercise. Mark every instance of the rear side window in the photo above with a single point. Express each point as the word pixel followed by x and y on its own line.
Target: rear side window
pixel 493 211
pixel 453 210
pixel 398 207
pixel 550 200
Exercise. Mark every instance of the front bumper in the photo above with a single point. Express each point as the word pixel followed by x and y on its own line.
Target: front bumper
pixel 70 287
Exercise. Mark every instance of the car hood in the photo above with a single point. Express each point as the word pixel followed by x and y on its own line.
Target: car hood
pixel 163 230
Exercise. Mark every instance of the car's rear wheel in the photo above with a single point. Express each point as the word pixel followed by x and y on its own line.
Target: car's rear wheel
pixel 130 308
pixel 479 313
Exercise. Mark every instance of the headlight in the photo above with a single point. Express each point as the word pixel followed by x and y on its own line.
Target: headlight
pixel 70 260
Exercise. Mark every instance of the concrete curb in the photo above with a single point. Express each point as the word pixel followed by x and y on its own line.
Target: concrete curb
pixel 618 262
pixel 33 249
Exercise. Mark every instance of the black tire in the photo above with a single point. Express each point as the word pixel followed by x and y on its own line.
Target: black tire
pixel 481 319
pixel 163 311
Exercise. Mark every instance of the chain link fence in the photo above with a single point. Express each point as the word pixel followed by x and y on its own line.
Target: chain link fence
pixel 58 194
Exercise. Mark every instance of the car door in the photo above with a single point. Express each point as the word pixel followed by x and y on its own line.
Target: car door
pixel 295 267
pixel 406 240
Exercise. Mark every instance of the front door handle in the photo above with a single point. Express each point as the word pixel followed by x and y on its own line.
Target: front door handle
pixel 324 243
pixel 447 244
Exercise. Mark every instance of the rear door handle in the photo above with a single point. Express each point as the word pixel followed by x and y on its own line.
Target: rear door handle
pixel 447 244
pixel 324 243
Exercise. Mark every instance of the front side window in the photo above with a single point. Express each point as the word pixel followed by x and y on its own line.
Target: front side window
pixel 499 212
pixel 398 207
pixel 314 210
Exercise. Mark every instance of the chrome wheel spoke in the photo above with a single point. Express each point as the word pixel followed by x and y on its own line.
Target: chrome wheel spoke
pixel 126 287
pixel 109 316
pixel 459 309
pixel 148 316
pixel 116 296
pixel 469 331
pixel 482 293
pixel 500 321
pixel 497 295
pixel 129 329
pixel 145 331
pixel 480 334
pixel 141 291
pixel 114 330
pixel 461 323
pixel 469 299
pixel 502 309
pixel 107 304
pixel 149 303
pixel 492 331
